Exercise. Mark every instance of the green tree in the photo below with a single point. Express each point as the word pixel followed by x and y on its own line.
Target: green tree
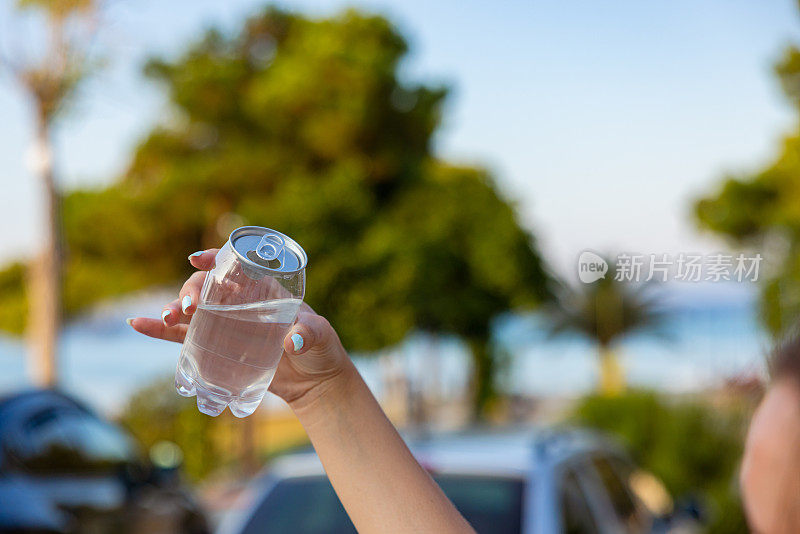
pixel 156 413
pixel 759 211
pixel 694 447
pixel 303 125
pixel 50 79
pixel 605 312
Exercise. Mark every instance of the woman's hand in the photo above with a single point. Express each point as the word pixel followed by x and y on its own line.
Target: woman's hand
pixel 313 361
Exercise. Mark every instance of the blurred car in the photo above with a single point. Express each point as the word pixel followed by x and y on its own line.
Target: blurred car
pixel 531 482
pixel 63 469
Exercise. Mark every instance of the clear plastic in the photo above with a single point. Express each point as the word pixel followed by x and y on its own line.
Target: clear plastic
pixel 235 338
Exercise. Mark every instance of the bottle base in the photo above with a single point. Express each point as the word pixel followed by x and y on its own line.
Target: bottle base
pixel 184 384
pixel 211 403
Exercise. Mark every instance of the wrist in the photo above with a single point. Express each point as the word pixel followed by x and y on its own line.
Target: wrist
pixel 326 396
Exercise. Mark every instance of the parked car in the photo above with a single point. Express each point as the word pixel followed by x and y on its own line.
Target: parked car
pixel 531 482
pixel 65 470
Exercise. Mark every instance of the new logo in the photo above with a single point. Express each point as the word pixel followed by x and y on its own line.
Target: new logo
pixel 591 267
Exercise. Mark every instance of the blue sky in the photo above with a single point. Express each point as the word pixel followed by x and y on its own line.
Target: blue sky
pixel 601 120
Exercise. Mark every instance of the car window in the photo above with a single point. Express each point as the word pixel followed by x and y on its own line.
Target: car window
pixel 629 514
pixel 304 505
pixel 71 441
pixel 576 515
pixel 309 505
pixel 489 504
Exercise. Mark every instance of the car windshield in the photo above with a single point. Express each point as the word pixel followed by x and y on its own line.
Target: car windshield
pixel 309 505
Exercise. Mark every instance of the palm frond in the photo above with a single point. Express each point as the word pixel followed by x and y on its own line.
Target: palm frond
pixel 605 311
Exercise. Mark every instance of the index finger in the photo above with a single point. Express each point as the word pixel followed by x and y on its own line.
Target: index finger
pixel 204 259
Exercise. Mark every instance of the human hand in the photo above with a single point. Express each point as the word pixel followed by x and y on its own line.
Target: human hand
pixel 313 355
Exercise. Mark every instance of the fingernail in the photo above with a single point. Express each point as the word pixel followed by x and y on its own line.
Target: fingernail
pixel 164 315
pixel 129 320
pixel 186 302
pixel 297 341
pixel 198 253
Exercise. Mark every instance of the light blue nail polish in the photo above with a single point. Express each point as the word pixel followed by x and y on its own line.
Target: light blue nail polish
pixel 164 315
pixel 186 302
pixel 198 253
pixel 297 341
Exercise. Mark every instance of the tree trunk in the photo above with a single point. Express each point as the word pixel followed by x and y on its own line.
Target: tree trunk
pixel 612 377
pixel 483 377
pixel 44 278
pixel 249 457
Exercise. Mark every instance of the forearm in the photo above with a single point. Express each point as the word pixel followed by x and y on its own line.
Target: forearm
pixel 379 482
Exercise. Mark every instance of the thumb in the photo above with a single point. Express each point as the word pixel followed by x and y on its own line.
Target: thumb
pixel 310 332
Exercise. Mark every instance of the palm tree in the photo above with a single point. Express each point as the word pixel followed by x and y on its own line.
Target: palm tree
pixel 50 79
pixel 605 311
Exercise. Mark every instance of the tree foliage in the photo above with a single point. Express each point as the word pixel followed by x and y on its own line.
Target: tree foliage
pixel 156 413
pixel 762 210
pixel 605 311
pixel 691 445
pixel 52 77
pixel 303 125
